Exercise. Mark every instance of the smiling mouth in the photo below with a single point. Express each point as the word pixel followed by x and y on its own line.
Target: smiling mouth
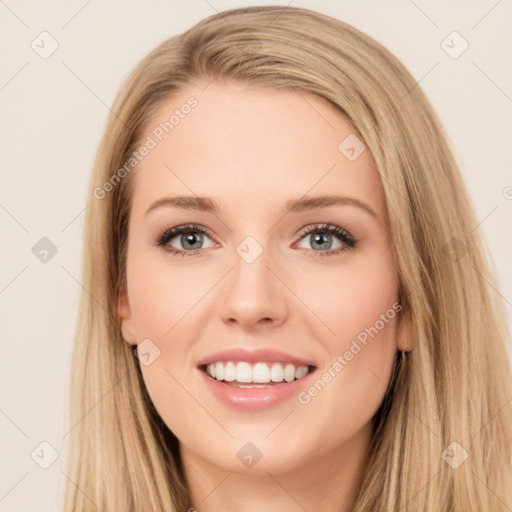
pixel 243 374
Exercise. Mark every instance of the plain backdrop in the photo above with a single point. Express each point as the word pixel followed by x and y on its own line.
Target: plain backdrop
pixel 52 114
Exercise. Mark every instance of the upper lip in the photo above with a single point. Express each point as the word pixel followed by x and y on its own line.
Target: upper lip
pixel 253 356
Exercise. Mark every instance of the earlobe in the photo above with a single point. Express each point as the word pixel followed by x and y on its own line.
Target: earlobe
pixel 404 337
pixel 125 318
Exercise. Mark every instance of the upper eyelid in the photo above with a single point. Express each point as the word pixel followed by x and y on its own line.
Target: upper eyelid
pixel 321 225
pixel 179 230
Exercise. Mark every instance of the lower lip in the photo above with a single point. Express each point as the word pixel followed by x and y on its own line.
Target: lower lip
pixel 255 399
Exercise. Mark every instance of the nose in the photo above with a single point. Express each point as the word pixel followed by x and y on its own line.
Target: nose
pixel 253 295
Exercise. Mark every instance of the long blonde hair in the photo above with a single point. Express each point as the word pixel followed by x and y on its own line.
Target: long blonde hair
pixel 453 387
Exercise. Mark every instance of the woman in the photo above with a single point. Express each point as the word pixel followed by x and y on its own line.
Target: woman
pixel 326 341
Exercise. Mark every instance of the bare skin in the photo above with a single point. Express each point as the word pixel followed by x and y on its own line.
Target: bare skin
pixel 252 150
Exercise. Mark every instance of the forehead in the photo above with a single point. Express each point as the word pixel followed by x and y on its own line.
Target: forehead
pixel 251 145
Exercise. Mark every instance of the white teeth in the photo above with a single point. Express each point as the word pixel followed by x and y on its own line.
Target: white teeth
pixel 243 372
pixel 261 373
pixel 277 372
pixel 301 371
pixel 258 373
pixel 229 372
pixel 219 371
pixel 289 372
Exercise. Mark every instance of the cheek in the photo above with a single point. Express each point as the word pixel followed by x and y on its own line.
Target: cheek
pixel 162 299
pixel 359 304
pixel 349 298
pixel 163 293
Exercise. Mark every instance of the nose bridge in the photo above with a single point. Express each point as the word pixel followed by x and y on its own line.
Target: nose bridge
pixel 253 292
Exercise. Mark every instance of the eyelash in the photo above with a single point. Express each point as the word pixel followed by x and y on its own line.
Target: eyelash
pixel 343 235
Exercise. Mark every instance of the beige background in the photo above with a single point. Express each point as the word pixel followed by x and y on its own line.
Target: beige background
pixel 52 114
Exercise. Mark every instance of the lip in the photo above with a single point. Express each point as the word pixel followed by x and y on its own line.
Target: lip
pixel 254 356
pixel 254 399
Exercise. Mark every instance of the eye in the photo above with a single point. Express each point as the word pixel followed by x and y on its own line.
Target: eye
pixel 327 239
pixel 189 237
pixel 324 239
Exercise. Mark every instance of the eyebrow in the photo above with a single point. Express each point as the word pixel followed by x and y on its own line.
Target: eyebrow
pixel 206 204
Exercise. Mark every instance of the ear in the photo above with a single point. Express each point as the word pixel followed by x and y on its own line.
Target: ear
pixel 125 318
pixel 404 337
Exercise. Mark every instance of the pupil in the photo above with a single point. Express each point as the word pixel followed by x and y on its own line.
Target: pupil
pixel 323 239
pixel 192 239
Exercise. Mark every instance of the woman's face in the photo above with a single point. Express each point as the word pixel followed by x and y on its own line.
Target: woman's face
pixel 267 266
